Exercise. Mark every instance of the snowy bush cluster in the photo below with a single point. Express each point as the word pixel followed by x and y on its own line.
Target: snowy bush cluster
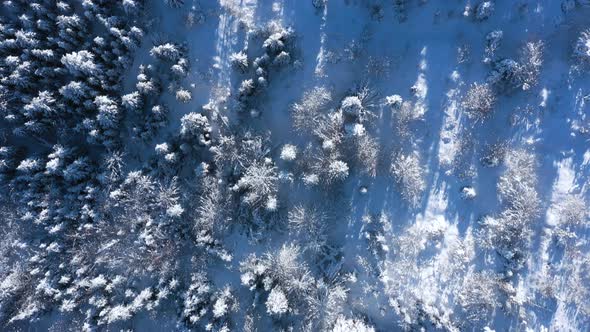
pixel 243 165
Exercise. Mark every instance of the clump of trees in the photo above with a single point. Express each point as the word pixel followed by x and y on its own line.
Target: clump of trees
pixel 510 232
pixel 508 75
pixel 271 49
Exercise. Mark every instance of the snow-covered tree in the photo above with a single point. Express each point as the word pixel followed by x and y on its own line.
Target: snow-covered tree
pixel 510 232
pixel 289 152
pixel 572 218
pixel 174 3
pixel 309 224
pixel 508 74
pixel 197 298
pixel 366 153
pixel 76 92
pixel 484 10
pixel 247 88
pixel 409 176
pixel 146 83
pixel 195 126
pixel 239 61
pixel 479 295
pixel 259 183
pixel 480 99
pixel 275 43
pixel 105 128
pixel 505 74
pixel 337 171
pixel 531 61
pixel 582 47
pixel 307 114
pixel 282 59
pixel 493 40
pixel 351 325
pixel 277 303
pixel 166 51
pixel 81 63
pixel 132 101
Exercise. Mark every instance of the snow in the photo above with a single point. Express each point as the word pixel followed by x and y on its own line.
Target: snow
pixel 404 238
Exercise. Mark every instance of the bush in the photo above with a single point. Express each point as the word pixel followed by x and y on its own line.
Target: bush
pixel 510 232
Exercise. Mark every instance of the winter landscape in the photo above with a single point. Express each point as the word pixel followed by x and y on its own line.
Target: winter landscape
pixel 294 165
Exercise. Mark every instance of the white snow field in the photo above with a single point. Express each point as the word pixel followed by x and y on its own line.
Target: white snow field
pixel 294 165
